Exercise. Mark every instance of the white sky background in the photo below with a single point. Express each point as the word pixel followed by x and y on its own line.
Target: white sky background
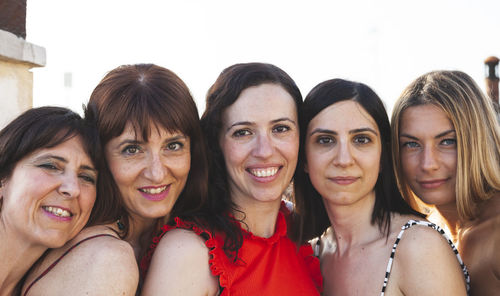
pixel 382 43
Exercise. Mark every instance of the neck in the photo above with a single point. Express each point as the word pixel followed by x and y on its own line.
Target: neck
pixel 140 234
pixel 258 217
pixel 489 208
pixel 17 258
pixel 449 215
pixel 352 222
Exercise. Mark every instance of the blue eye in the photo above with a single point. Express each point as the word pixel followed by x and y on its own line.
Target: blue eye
pixel 410 145
pixel 449 142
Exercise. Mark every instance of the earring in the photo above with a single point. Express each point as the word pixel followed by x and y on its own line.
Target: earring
pixel 120 224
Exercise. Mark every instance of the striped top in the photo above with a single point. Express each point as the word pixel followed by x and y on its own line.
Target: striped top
pixel 438 229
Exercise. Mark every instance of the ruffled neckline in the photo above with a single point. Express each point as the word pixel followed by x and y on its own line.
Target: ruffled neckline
pixel 280 229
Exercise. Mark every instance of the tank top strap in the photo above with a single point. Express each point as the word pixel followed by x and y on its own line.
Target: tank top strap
pixel 62 256
pixel 409 224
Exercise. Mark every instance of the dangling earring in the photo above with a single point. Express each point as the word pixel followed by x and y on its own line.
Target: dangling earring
pixel 120 225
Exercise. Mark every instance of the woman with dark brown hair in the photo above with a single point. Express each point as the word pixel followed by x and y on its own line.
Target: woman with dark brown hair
pixel 47 187
pixel 149 129
pixel 246 246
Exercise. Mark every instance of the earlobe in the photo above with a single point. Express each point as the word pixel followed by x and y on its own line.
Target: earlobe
pixel 306 169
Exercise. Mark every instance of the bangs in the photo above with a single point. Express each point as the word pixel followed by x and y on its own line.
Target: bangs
pixel 147 112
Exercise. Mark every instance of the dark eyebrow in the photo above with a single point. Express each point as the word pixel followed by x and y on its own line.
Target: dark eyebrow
pixel 445 133
pixel 322 131
pixel 436 137
pixel 354 131
pixel 238 123
pixel 284 119
pixel 175 138
pixel 128 141
pixel 250 123
pixel 362 130
pixel 64 160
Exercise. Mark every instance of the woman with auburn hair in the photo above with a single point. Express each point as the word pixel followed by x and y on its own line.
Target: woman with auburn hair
pixel 48 175
pixel 243 247
pixel 446 142
pixel 371 241
pixel 149 129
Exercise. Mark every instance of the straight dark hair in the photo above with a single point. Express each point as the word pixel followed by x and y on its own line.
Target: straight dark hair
pixel 388 199
pixel 223 93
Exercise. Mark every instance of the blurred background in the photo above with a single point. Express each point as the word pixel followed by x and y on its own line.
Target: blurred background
pixel 384 43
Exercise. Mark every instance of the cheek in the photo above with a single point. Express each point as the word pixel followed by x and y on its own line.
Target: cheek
pixel 87 199
pixel 233 154
pixel 181 167
pixel 122 172
pixel 408 165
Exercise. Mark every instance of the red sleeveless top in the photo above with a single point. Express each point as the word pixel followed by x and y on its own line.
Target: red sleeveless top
pixel 265 266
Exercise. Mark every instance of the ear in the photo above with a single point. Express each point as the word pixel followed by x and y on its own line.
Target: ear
pixel 306 168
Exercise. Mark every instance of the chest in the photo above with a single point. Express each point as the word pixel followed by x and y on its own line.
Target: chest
pixel 269 269
pixel 360 271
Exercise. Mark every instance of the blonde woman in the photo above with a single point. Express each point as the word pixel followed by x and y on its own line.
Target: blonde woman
pixel 446 141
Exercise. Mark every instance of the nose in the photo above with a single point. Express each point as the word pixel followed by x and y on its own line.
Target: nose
pixel 263 146
pixel 70 186
pixel 155 169
pixel 344 156
pixel 429 159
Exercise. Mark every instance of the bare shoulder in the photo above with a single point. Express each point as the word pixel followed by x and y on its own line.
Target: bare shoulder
pixel 95 262
pixel 428 262
pixel 495 233
pixel 180 266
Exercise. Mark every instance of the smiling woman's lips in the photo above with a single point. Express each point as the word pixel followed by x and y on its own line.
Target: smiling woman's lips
pixel 58 213
pixel 155 193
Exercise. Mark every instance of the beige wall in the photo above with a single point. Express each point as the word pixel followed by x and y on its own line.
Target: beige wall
pixel 17 57
pixel 16 85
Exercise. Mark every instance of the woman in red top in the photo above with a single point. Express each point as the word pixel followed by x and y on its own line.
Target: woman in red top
pixel 252 132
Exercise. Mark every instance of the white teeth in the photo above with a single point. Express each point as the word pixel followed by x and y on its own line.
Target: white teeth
pixel 264 172
pixel 153 190
pixel 57 211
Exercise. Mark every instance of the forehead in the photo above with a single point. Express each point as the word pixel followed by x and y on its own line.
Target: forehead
pixel 262 102
pixel 71 150
pixel 346 115
pixel 424 119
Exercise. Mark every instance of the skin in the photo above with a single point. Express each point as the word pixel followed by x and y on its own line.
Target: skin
pixel 343 163
pixel 150 176
pixel 260 136
pixel 47 200
pixel 429 152
pixel 428 148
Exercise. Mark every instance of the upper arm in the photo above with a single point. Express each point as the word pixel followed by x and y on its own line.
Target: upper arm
pixel 101 266
pixel 428 265
pixel 180 266
pixel 114 270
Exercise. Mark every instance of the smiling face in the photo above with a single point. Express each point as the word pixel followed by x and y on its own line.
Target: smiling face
pixel 428 151
pixel 50 193
pixel 260 142
pixel 343 153
pixel 150 175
